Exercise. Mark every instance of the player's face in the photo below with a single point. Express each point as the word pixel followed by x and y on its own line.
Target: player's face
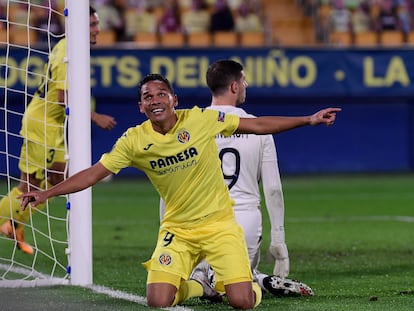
pixel 241 95
pixel 157 103
pixel 93 28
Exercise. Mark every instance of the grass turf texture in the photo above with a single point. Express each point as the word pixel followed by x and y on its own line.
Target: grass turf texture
pixel 344 236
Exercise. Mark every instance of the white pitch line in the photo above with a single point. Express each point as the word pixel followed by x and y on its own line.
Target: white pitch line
pixel 408 219
pixel 129 297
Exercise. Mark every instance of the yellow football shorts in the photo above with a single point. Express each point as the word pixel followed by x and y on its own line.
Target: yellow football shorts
pixel 220 242
pixel 36 157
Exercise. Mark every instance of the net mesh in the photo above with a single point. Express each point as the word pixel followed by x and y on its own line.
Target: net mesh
pixel 28 32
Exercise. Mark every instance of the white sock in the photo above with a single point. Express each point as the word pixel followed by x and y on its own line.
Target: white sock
pixel 258 277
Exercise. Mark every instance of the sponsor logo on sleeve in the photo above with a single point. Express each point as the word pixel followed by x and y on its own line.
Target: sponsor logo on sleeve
pixel 221 116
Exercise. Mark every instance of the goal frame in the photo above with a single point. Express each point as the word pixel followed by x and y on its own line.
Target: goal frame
pixel 79 139
pixel 78 249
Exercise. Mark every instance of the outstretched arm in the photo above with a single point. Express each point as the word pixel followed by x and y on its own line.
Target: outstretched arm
pixel 275 124
pixel 75 183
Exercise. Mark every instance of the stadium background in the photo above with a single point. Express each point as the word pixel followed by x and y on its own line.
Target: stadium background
pixel 374 87
pixel 340 229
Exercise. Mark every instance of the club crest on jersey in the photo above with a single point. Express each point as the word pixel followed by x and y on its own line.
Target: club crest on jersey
pixel 165 259
pixel 221 116
pixel 183 136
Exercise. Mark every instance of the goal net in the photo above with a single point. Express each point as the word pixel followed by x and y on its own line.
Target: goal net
pixel 29 29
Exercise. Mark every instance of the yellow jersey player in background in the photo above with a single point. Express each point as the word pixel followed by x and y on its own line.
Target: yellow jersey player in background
pixel 42 157
pixel 176 149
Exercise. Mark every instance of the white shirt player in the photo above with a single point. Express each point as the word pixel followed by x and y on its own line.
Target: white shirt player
pixel 248 160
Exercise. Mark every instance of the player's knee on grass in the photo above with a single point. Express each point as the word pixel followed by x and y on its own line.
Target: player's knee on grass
pixel 242 295
pixel 161 288
pixel 160 295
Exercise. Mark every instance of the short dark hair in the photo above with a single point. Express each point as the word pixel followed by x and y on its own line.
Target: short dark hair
pixel 91 10
pixel 221 74
pixel 154 77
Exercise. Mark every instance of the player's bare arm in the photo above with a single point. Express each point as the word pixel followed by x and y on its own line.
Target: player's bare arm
pixel 75 183
pixel 104 121
pixel 276 124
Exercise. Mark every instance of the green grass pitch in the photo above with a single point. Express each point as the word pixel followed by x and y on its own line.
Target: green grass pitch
pixel 350 237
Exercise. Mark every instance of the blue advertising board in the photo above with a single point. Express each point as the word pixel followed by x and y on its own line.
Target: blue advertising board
pixel 373 133
pixel 270 72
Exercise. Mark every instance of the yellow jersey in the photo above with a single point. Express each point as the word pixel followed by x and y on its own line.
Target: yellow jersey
pixel 183 165
pixel 44 117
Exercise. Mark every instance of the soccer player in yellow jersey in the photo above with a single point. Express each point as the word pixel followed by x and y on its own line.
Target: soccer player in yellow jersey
pixel 177 151
pixel 43 133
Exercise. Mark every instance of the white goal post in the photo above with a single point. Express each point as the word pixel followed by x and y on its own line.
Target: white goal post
pixel 61 235
pixel 79 96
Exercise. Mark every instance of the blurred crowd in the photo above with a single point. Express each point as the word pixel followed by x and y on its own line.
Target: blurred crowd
pixel 44 24
pixel 355 17
pixel 126 18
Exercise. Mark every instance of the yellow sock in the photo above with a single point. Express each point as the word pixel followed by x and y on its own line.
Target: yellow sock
pixel 9 205
pixel 16 212
pixel 25 215
pixel 188 289
pixel 258 291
